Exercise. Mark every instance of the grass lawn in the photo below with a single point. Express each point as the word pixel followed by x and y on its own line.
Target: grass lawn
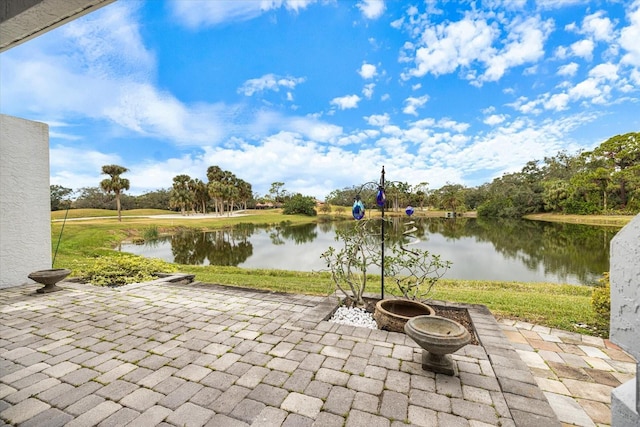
pixel 553 305
pixel 602 220
pixel 95 213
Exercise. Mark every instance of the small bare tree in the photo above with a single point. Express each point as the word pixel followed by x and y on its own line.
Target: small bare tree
pixel 349 265
pixel 414 271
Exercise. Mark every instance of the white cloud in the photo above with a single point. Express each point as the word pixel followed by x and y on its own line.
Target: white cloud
pixel 507 148
pixel 346 102
pixel 557 102
pixel 266 122
pixel 312 128
pixel 561 52
pixel 371 9
pixel 568 70
pixel 630 35
pixel 67 171
pixel 635 77
pixel 367 90
pixel 596 89
pixel 447 46
pixel 367 71
pixel 583 48
pixel 495 119
pixel 144 110
pixel 110 59
pixel 378 119
pixel 447 156
pixel 269 82
pixel 452 125
pixel 505 4
pixel 597 26
pixel 282 154
pixel 64 156
pixel 412 104
pixel 358 137
pixel 525 44
pixel 556 4
pixel 607 71
pixel 571 27
pixel 194 14
pixel 585 89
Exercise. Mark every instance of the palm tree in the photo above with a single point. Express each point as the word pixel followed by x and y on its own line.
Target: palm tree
pixel 181 195
pixel 200 194
pixel 115 184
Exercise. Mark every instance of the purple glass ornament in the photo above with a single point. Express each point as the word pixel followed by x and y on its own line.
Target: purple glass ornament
pixel 381 198
pixel 358 210
pixel 409 210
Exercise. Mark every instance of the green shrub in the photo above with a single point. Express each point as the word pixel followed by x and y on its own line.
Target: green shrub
pixel 299 204
pixel 325 209
pixel 601 301
pixel 122 270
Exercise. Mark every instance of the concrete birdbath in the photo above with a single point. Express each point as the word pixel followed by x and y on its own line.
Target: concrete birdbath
pixel 49 278
pixel 438 337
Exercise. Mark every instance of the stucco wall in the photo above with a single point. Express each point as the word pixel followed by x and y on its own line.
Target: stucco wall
pixel 25 219
pixel 625 319
pixel 625 288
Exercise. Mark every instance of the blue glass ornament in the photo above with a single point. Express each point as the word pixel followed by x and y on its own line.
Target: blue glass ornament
pixel 358 209
pixel 409 210
pixel 381 198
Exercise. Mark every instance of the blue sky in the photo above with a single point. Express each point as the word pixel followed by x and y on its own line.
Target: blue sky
pixel 321 94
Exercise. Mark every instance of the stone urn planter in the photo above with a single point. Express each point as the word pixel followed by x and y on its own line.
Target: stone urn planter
pixel 49 278
pixel 438 337
pixel 393 314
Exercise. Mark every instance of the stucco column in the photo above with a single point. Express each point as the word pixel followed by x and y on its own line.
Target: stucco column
pixel 25 202
pixel 625 319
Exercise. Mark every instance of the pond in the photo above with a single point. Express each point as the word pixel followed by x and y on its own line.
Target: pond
pixel 479 249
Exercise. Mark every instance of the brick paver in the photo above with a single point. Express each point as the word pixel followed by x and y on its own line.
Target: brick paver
pixel 163 354
pixel 577 377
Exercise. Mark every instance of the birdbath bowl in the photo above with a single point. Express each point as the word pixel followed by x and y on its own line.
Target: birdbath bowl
pixel 438 337
pixel 49 278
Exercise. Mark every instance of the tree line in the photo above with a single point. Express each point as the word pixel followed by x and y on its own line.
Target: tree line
pixel 223 192
pixel 604 180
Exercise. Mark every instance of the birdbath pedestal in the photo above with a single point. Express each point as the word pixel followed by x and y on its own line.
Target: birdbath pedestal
pixel 49 278
pixel 438 337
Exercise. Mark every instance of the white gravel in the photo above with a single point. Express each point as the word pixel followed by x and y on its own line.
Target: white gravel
pixel 354 316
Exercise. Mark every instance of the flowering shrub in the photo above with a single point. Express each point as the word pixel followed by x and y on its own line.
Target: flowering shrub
pixel 125 269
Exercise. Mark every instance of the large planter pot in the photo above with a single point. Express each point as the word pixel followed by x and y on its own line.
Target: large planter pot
pixel 393 314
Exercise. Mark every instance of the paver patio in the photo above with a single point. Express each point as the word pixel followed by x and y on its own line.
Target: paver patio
pixel 170 354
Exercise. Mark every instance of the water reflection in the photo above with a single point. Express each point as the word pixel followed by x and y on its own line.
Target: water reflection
pixel 515 250
pixel 227 248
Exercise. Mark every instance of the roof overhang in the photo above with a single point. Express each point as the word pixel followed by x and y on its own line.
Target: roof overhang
pixel 22 20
